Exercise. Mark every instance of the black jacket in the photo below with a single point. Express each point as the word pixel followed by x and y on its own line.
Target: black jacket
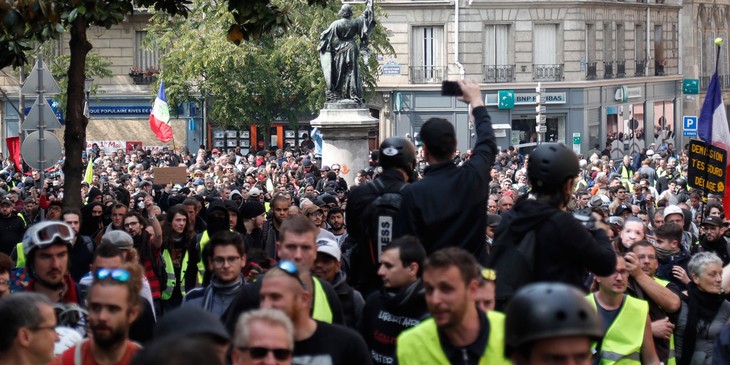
pixel 363 272
pixel 389 313
pixel 12 229
pixel 565 251
pixel 447 207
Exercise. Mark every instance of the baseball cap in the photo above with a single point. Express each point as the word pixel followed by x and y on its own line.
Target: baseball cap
pixel 311 209
pixel 325 168
pixel 121 239
pixel 330 247
pixel 215 150
pixel 621 209
pixel 7 201
pixel 254 192
pixel 673 209
pixel 649 152
pixel 712 221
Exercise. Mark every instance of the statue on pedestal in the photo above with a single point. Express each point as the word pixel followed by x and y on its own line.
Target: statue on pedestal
pixel 339 52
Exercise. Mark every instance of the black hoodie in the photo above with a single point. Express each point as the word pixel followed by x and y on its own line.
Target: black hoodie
pixel 387 314
pixel 565 251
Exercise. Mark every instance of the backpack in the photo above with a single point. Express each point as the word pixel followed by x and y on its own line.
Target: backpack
pixel 513 259
pixel 382 212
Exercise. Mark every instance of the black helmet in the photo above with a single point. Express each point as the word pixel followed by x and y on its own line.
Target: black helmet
pixel 397 152
pixel 548 310
pixel 550 165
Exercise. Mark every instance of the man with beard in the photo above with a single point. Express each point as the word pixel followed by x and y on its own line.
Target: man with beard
pixel 11 225
pixel 46 246
pixel 336 219
pixel 30 211
pixel 401 304
pixel 82 249
pixel 227 259
pixel 113 304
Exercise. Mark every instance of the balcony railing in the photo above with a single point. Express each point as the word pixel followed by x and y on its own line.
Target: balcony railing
pixel 620 69
pixel 545 72
pixel 640 66
pixel 705 82
pixel 591 70
pixel 659 67
pixel 608 69
pixel 499 73
pixel 427 74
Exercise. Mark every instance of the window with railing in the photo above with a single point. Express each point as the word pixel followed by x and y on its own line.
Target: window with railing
pixel 640 66
pixel 497 65
pixel 591 70
pixel 427 63
pixel 544 72
pixel 620 69
pixel 499 73
pixel 545 53
pixel 146 61
pixel 590 48
pixel 608 69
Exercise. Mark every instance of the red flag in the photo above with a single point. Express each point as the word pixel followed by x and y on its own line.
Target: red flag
pixel 14 151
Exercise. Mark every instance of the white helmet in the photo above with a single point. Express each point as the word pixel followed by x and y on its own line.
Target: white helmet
pixel 46 233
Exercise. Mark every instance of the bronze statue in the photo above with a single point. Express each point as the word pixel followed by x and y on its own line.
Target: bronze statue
pixel 339 52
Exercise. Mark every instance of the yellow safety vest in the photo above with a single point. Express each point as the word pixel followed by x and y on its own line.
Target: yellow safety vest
pixel 626 176
pixel 671 360
pixel 20 254
pixel 321 310
pixel 204 239
pixel 420 344
pixel 170 275
pixel 622 343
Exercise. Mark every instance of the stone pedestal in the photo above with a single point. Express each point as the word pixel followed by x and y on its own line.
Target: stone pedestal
pixel 345 128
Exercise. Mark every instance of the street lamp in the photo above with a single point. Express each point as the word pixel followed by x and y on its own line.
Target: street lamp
pixel 88 83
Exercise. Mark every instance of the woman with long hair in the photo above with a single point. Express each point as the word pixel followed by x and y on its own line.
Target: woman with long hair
pixel 180 256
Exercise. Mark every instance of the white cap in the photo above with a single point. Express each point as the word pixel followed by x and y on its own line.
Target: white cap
pixel 254 192
pixel 330 247
pixel 673 209
pixel 649 152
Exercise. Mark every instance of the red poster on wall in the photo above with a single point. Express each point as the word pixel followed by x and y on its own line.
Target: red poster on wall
pixel 133 146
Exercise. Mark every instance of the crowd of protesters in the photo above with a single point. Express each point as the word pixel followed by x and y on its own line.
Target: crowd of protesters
pixel 267 257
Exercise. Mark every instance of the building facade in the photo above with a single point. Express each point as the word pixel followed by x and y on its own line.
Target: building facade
pixel 611 71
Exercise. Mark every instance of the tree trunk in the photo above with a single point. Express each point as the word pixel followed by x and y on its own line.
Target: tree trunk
pixel 74 137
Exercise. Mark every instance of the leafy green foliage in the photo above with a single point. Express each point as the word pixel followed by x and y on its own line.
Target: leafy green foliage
pixel 96 67
pixel 272 77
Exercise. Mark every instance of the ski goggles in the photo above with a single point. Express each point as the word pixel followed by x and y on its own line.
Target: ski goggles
pixel 51 232
pixel 290 268
pixel 119 275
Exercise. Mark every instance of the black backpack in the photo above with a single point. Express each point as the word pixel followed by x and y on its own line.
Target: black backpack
pixel 382 212
pixel 513 259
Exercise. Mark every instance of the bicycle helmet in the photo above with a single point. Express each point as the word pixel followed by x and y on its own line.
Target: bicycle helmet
pixel 550 165
pixel 548 310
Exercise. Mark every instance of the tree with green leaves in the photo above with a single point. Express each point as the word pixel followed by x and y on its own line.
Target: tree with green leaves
pixel 271 77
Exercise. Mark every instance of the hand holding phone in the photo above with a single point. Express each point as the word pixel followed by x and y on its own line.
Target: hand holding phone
pixel 451 88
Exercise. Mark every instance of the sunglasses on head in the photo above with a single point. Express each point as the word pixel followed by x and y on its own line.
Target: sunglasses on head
pixel 290 268
pixel 261 352
pixel 119 275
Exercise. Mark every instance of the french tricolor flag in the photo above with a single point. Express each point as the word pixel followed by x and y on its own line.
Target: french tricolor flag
pixel 712 127
pixel 160 116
